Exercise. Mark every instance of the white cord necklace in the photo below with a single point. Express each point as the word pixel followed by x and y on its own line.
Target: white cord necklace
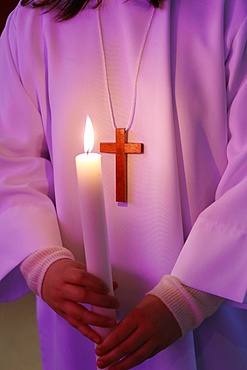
pixel 139 60
pixel 121 147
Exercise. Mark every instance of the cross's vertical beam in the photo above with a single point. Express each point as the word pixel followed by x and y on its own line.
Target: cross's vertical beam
pixel 121 148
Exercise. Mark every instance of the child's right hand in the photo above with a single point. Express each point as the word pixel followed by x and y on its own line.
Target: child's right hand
pixel 67 285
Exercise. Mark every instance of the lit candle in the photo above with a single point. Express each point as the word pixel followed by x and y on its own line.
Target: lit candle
pixel 88 167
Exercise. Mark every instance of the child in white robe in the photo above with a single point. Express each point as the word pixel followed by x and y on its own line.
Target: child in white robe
pixel 178 245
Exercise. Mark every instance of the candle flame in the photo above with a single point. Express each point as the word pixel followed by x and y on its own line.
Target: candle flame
pixel 88 136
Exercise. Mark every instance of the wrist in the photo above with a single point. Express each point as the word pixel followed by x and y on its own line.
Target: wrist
pixel 189 306
pixel 34 267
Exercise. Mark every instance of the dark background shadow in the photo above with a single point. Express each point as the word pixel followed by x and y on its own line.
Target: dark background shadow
pixel 6 6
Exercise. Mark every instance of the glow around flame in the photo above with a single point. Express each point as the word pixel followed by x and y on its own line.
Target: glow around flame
pixel 88 136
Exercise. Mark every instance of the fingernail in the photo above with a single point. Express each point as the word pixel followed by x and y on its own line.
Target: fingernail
pixel 115 303
pixel 111 323
pixel 104 288
pixel 96 340
pixel 100 363
pixel 98 353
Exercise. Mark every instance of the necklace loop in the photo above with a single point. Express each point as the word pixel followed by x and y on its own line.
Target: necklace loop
pixel 139 61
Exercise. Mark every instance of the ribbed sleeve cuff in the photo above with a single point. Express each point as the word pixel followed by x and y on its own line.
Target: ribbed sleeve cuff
pixel 34 267
pixel 189 306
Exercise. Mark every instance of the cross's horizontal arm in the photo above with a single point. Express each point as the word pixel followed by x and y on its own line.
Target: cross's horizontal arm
pixel 121 148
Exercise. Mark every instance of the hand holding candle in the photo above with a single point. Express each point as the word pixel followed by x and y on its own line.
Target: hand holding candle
pixel 88 167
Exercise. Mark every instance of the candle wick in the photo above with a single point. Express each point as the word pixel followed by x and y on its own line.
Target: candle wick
pixel 88 151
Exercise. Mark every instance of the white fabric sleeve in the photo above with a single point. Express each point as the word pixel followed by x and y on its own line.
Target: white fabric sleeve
pixel 28 219
pixel 217 241
pixel 189 306
pixel 34 267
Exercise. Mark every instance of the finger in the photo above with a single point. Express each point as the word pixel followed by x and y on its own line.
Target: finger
pixel 84 329
pixel 134 359
pixel 128 354
pixel 81 294
pixel 80 277
pixel 119 334
pixel 81 314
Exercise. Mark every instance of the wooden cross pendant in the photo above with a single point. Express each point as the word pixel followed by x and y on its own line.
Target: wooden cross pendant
pixel 121 148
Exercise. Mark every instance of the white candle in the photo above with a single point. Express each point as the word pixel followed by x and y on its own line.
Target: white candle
pixel 88 167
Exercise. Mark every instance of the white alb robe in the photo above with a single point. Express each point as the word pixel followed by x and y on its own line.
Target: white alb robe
pixel 186 212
